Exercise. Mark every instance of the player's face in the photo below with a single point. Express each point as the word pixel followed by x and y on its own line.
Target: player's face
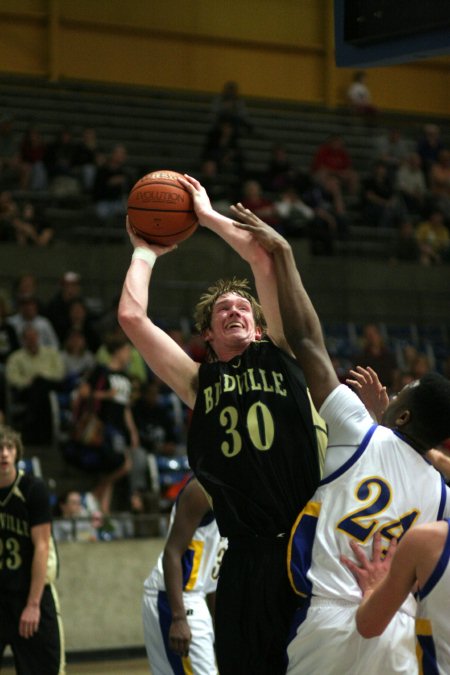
pixel 8 455
pixel 397 406
pixel 232 323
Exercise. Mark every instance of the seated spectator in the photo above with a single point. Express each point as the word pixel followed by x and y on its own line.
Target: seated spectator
pixel 222 147
pixel 381 206
pixel 229 106
pixel 391 149
pixel 294 213
pixel 87 158
pixel 72 520
pixel 439 177
pixel 377 355
pixel 11 171
pixel 332 158
pixel 429 146
pixel 359 97
pixel 254 199
pixel 329 223
pixel 113 181
pixel 221 188
pixel 9 343
pixel 28 315
pixel 280 175
pixel 32 151
pixel 77 358
pixel 153 422
pixel 26 286
pixel 59 162
pixel 410 182
pixel 32 372
pixel 136 366
pixel 15 224
pixel 405 247
pixel 80 320
pixel 420 366
pixel 434 239
pixel 58 307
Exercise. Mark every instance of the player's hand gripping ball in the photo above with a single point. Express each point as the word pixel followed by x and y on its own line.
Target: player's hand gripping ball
pixel 160 209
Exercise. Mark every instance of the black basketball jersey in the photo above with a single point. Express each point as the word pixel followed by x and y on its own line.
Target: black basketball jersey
pixel 23 505
pixel 252 441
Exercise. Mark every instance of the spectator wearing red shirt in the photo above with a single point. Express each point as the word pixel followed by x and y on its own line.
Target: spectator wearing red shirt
pixel 254 199
pixel 332 158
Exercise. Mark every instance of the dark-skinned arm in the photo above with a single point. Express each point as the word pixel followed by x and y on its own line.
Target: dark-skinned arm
pixel 191 508
pixel 301 324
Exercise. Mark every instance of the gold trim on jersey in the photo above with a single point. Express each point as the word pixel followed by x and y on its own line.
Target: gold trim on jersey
pixel 197 547
pixel 311 509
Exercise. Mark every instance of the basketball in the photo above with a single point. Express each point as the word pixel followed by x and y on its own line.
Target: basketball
pixel 160 209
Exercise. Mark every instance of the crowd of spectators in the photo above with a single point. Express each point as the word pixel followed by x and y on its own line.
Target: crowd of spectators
pixel 405 183
pixel 113 411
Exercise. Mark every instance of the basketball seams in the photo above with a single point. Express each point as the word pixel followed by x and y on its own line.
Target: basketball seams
pixel 153 182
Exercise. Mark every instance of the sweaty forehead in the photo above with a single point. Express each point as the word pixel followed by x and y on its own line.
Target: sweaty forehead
pixel 226 298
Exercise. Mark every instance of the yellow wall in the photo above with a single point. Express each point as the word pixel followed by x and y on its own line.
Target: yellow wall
pixel 273 48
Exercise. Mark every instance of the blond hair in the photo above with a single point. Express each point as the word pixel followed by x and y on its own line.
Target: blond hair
pixel 204 308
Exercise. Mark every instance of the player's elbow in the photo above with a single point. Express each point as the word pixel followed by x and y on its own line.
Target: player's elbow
pixel 129 319
pixel 367 629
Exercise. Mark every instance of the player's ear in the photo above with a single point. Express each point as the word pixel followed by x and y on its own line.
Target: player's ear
pixel 403 418
pixel 258 332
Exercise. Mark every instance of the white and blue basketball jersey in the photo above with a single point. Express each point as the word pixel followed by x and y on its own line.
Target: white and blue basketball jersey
pixel 381 485
pixel 432 620
pixel 199 561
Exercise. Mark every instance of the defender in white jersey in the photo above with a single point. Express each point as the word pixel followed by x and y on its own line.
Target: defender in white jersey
pixel 375 479
pixel 422 557
pixel 178 628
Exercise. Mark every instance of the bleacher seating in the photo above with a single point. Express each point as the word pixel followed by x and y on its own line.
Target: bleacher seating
pixel 163 128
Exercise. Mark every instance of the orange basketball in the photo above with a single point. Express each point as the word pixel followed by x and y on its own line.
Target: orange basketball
pixel 160 210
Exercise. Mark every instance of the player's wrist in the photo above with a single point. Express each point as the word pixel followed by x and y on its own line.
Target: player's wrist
pixel 146 254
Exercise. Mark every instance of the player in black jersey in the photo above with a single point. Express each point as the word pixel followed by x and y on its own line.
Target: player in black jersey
pixel 252 441
pixel 29 612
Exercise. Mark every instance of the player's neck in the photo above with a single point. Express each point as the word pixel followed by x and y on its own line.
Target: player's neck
pixel 8 478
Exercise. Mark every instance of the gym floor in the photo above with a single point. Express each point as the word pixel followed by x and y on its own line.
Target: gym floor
pixel 116 667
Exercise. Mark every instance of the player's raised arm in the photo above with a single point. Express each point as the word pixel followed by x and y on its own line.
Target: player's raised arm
pixel 163 355
pixel 300 321
pixel 245 245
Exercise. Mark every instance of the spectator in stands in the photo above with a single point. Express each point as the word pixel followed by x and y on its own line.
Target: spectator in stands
pixel 280 175
pixel 116 450
pixel 32 372
pixel 28 315
pixel 58 308
pixel 411 184
pixel 10 163
pixel 391 149
pixel 222 147
pixel 439 177
pixel 420 366
pixel 80 320
pixel 429 146
pixel 295 215
pixel 434 239
pixel 32 152
pixel 221 188
pixel 333 159
pixel 359 97
pixel 136 366
pixel 9 343
pixel 87 157
pixel 16 223
pixel 229 106
pixel 325 198
pixel 59 162
pixel 77 358
pixel 377 355
pixel 405 246
pixel 254 199
pixel 72 522
pixel 381 206
pixel 153 422
pixel 26 285
pixel 113 181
